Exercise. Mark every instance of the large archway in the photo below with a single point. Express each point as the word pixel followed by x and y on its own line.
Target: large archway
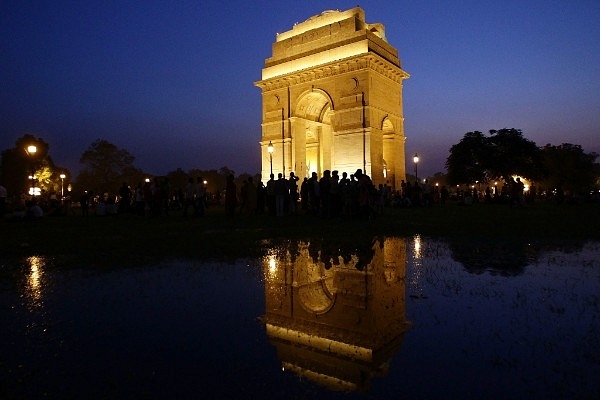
pixel 311 128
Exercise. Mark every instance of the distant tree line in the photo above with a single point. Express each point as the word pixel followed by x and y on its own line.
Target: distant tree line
pixel 104 168
pixel 505 153
pixel 477 157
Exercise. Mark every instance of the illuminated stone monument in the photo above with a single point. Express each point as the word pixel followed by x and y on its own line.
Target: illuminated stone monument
pixel 332 100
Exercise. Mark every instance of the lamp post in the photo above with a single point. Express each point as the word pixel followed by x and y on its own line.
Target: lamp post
pixel 62 185
pixel 416 161
pixel 31 150
pixel 270 149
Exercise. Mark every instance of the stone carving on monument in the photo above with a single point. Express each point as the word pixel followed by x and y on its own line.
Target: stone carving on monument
pixel 332 100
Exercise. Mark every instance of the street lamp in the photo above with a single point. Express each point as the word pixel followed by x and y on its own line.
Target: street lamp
pixel 31 150
pixel 416 161
pixel 62 185
pixel 270 149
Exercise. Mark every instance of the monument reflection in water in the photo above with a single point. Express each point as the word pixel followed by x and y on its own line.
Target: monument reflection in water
pixel 336 316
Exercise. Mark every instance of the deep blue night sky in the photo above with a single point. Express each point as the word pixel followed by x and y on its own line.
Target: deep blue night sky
pixel 172 82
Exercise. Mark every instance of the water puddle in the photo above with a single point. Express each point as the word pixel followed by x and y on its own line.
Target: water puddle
pixel 399 317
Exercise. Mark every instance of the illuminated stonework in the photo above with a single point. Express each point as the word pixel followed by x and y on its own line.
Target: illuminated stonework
pixel 332 100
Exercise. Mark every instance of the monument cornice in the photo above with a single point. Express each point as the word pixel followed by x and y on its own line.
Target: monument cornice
pixel 355 63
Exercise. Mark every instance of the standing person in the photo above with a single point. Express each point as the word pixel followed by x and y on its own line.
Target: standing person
pixel 304 194
pixel 427 194
pixel 230 196
pixel 125 198
pixel 380 199
pixel 293 190
pixel 260 197
pixel 516 191
pixel 271 195
pixel 3 196
pixel 189 197
pixel 325 192
pixel 281 193
pixel 314 197
pixel 364 193
pixel 346 195
pixel 520 193
pixel 244 198
pixel 443 195
pixel 200 196
pixel 84 202
pixel 155 201
pixel 139 199
pixel 251 199
pixel 336 195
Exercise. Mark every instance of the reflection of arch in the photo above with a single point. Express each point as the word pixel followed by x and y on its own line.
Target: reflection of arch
pixel 313 291
pixel 353 340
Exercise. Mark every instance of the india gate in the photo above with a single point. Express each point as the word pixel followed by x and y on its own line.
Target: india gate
pixel 332 100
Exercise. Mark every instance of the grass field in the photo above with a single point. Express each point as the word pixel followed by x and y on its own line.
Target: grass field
pixel 130 239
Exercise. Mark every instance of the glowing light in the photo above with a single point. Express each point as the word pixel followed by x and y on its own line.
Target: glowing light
pixel 32 149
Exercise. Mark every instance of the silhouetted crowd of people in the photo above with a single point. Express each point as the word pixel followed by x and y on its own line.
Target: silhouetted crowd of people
pixel 330 196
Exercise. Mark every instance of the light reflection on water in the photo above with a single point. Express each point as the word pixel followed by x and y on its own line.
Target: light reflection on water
pixel 392 317
pixel 34 286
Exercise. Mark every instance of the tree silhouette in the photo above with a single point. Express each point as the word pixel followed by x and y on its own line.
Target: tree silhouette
pixel 570 168
pixel 106 167
pixel 502 154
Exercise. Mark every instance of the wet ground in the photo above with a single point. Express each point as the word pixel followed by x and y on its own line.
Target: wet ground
pixel 394 318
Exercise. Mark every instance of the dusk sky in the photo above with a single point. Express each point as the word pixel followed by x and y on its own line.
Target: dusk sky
pixel 172 81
